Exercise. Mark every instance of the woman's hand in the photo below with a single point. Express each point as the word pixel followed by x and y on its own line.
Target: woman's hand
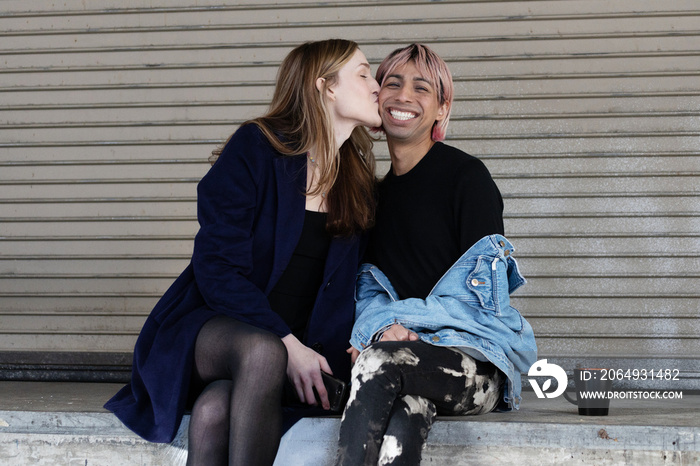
pixel 398 332
pixel 304 367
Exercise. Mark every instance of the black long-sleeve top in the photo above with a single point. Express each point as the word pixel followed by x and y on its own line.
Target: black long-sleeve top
pixel 427 218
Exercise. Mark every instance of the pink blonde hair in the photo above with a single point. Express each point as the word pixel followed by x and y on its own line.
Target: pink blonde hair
pixel 431 66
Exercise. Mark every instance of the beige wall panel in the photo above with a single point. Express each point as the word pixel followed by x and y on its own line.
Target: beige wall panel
pixel 586 84
pixel 612 16
pixel 563 246
pixel 630 205
pixel 97 189
pixel 594 223
pixel 597 183
pixel 97 113
pixel 93 284
pixel 580 144
pixel 100 209
pixel 653 64
pixel 89 171
pixel 164 131
pixel 87 323
pixel 515 109
pixel 565 308
pixel 585 111
pixel 143 93
pixel 231 51
pixel 67 227
pixel 93 342
pixel 603 283
pixel 27 153
pixel 626 326
pixel 129 56
pixel 37 246
pixel 76 7
pixel 616 265
pixel 235 30
pixel 139 74
pixel 644 349
pixel 615 163
pixel 103 265
pixel 586 125
pixel 510 111
pixel 80 305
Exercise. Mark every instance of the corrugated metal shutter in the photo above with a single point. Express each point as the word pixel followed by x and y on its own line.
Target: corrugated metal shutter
pixel 586 112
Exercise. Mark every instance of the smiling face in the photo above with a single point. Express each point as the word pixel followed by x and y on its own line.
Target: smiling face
pixel 409 106
pixel 353 96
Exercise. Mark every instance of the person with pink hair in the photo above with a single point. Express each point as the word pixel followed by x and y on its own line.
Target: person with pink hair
pixel 422 343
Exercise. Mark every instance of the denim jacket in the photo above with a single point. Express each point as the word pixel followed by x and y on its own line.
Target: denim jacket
pixel 469 308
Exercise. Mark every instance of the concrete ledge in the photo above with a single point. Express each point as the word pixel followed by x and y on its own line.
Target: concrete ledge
pixel 57 424
pixel 466 442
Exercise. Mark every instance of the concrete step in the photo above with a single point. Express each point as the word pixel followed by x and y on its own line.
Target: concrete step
pixel 64 424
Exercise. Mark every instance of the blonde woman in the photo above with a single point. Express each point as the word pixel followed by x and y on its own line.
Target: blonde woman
pixel 266 303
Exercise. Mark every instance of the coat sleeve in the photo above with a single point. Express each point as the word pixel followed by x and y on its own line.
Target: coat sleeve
pixel 227 201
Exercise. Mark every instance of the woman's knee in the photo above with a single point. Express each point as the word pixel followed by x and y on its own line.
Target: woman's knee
pixel 227 347
pixel 264 351
pixel 212 407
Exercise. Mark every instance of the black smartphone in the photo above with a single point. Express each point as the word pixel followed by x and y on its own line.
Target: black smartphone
pixel 337 392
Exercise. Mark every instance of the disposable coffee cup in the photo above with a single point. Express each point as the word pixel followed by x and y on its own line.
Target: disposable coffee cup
pixel 593 389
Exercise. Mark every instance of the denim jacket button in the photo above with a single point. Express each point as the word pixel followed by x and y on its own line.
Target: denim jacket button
pixel 507 253
pixel 475 282
pixel 503 245
pixel 436 338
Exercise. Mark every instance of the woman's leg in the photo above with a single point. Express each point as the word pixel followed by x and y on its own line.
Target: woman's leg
pixel 454 382
pixel 253 363
pixel 209 425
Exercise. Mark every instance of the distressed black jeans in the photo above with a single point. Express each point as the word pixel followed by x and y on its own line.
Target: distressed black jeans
pixel 398 388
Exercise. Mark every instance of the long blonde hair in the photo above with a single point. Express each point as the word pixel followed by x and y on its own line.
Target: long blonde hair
pixel 298 122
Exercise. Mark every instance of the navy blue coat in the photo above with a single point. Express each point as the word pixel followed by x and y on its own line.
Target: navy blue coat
pixel 250 207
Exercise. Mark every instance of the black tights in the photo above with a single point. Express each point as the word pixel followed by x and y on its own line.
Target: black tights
pixel 237 418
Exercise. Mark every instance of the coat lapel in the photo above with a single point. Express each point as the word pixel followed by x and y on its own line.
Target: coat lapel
pixel 339 249
pixel 290 177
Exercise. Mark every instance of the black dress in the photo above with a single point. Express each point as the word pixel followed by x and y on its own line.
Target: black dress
pixel 294 294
